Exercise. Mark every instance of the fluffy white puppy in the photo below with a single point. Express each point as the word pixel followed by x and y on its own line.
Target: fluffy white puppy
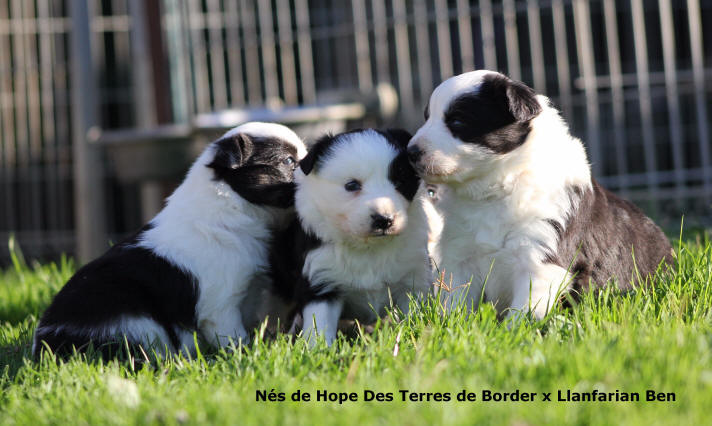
pixel 360 241
pixel 522 210
pixel 192 266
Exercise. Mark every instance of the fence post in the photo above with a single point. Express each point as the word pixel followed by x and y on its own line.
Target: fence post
pixel 143 99
pixel 89 217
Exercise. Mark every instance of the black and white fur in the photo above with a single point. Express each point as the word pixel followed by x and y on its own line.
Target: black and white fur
pixel 361 235
pixel 521 199
pixel 192 266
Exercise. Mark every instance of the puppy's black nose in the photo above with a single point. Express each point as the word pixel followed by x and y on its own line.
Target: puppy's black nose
pixel 414 153
pixel 380 222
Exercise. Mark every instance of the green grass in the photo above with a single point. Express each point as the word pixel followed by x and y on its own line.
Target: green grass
pixel 656 338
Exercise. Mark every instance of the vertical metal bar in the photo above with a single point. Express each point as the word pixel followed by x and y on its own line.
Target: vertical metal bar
pixel 306 60
pixel 363 52
pixel 341 41
pixel 19 77
pixel 36 169
pixel 584 46
pixel 51 181
pixel 175 54
pixel 405 83
pixel 328 70
pixel 380 36
pixel 8 143
pixel 122 45
pixel 563 72
pixel 20 86
pixel 64 138
pixel 88 175
pixel 511 38
pixel 422 38
pixel 252 60
pixel 143 101
pixel 617 98
pixel 536 46
pixel 196 25
pixel 698 75
pixel 442 27
pixel 160 73
pixel 31 65
pixel 217 50
pixel 464 27
pixel 646 113
pixel 269 56
pixel 234 54
pixel 3 167
pixel 286 48
pixel 488 43
pixel 673 102
pixel 186 58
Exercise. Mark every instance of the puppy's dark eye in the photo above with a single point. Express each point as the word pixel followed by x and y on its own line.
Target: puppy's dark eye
pixel 352 185
pixel 431 193
pixel 289 161
pixel 456 122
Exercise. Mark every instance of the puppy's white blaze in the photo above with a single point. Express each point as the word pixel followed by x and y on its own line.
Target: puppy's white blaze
pixel 274 130
pixel 447 90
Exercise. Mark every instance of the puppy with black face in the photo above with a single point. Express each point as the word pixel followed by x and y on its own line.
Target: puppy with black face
pixel 521 199
pixel 361 235
pixel 193 265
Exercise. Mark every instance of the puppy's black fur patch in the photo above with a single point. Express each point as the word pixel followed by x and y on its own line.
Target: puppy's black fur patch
pixel 401 172
pixel 318 151
pixel 263 175
pixel 601 236
pixel 496 116
pixel 288 252
pixel 125 281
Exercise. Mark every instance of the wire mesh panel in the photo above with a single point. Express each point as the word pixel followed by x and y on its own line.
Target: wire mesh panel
pixel 632 77
pixel 36 190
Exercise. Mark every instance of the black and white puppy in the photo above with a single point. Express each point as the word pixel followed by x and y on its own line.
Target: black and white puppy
pixel 190 268
pixel 361 235
pixel 521 199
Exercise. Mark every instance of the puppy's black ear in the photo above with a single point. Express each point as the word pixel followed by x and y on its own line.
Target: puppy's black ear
pixel 319 148
pixel 522 101
pixel 307 163
pixel 401 137
pixel 232 152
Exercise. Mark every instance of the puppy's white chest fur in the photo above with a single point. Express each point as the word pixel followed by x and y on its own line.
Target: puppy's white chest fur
pixel 371 277
pixel 497 243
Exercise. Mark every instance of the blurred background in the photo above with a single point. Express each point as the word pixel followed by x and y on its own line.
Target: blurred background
pixel 105 103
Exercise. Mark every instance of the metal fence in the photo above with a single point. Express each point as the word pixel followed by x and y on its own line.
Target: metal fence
pixel 36 161
pixel 632 77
